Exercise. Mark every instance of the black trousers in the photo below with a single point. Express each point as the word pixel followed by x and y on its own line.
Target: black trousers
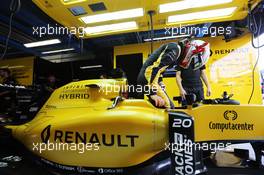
pixel 197 91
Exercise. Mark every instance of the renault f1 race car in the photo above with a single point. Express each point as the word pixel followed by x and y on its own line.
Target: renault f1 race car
pixel 88 128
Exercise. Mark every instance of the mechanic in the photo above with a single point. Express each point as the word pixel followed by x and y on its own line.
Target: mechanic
pixel 150 74
pixel 169 55
pixel 51 84
pixel 6 77
pixel 189 78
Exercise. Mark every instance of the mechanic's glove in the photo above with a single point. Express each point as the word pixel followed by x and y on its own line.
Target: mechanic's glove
pixel 159 102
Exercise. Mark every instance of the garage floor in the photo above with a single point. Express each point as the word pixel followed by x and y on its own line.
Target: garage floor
pixel 24 167
pixel 27 169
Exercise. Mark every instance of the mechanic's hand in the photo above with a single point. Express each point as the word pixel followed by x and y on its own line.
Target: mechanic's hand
pixel 159 102
pixel 208 92
pixel 183 93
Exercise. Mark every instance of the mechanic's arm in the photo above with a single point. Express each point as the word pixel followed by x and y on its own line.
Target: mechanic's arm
pixel 206 82
pixel 155 87
pixel 167 59
pixel 179 83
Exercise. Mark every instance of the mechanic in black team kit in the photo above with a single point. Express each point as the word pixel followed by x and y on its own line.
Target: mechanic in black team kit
pixel 189 79
pixel 168 55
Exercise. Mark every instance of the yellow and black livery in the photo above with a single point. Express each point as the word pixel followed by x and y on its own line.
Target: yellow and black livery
pixel 151 72
pixel 127 136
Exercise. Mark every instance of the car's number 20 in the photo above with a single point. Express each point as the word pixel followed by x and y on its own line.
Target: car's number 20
pixel 178 123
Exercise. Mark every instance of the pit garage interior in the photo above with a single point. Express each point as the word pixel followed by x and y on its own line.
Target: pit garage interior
pixel 57 55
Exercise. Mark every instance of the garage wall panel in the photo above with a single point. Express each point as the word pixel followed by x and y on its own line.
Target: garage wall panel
pixel 229 67
pixel 21 69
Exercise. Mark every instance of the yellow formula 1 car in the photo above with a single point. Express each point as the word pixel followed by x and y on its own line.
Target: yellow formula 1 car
pixel 87 128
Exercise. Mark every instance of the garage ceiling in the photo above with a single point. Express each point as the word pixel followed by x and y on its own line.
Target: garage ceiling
pixel 70 13
pixel 56 12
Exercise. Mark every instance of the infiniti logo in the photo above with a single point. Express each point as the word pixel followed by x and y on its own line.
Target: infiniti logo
pixel 101 170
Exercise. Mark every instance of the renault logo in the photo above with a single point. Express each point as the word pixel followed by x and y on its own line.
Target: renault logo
pixel 45 134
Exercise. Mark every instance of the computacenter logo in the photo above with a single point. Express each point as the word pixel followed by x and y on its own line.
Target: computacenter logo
pixel 231 116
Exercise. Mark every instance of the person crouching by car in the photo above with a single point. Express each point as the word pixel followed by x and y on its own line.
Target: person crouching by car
pixel 151 73
pixel 170 55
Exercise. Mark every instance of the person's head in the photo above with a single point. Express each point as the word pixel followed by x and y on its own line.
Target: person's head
pixel 51 79
pixel 5 72
pixel 196 52
pixel 117 73
pixel 103 76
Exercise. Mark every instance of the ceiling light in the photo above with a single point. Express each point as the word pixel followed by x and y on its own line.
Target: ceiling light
pixel 91 67
pixel 42 43
pixel 15 67
pixel 57 51
pixel 111 28
pixel 113 16
pixel 187 4
pixel 166 37
pixel 202 15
